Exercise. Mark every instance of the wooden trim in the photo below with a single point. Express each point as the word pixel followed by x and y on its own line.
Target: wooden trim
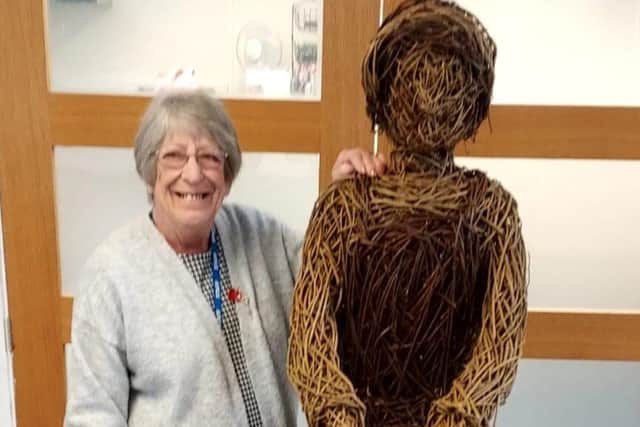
pixel 66 308
pixel 293 126
pixel 29 233
pixel 590 336
pixel 558 132
pixel 348 28
pixel 549 335
pixel 112 121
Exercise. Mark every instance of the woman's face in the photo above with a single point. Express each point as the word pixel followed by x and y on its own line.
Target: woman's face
pixel 190 183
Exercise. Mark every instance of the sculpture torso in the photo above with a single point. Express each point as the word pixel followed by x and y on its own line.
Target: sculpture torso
pixel 410 306
pixel 415 278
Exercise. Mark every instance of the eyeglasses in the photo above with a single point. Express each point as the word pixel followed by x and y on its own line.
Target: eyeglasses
pixel 176 159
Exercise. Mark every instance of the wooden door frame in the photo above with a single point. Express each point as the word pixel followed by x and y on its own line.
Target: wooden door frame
pixel 29 229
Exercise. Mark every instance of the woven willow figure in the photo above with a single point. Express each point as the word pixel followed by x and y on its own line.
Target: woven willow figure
pixel 410 306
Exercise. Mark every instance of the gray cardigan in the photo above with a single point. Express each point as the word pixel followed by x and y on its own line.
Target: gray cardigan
pixel 146 347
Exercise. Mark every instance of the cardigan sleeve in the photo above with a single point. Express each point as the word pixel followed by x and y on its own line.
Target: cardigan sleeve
pixel 98 389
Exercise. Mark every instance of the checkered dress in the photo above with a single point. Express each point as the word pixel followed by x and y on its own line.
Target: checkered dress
pixel 200 267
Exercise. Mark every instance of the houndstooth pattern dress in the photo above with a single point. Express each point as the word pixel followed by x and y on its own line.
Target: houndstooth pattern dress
pixel 201 269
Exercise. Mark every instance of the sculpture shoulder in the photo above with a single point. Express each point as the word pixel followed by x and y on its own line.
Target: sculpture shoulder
pixel 346 194
pixel 499 199
pixel 497 210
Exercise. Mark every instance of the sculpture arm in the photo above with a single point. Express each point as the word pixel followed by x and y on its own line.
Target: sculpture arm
pixel 327 395
pixel 487 379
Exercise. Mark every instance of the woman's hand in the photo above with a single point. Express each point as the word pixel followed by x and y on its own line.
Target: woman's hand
pixel 353 161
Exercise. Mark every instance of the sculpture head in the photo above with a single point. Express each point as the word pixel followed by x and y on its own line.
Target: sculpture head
pixel 428 75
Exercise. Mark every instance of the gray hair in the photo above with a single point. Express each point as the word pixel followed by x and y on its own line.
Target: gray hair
pixel 184 109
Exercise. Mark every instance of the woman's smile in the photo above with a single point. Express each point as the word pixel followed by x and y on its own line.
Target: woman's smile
pixel 193 196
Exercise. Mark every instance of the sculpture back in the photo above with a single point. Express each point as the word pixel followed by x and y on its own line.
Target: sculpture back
pixel 415 282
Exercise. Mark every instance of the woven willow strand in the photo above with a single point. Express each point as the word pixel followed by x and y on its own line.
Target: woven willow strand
pixel 410 305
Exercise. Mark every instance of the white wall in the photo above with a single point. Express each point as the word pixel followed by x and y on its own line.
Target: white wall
pixel 565 52
pixel 562 393
pixel 580 224
pixel 123 46
pixel 7 408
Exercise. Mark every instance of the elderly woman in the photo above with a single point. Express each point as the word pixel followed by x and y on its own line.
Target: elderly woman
pixel 183 315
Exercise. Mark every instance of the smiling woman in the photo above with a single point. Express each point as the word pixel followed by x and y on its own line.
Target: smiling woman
pixel 182 314
pixel 143 336
pixel 148 331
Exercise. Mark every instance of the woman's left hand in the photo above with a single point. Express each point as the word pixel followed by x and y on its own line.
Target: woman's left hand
pixel 353 161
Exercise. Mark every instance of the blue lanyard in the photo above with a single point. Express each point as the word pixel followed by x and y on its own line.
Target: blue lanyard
pixel 216 276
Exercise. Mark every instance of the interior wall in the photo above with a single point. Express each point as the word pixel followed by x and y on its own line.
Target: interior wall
pixel 568 52
pixel 580 228
pixel 121 47
pixel 563 393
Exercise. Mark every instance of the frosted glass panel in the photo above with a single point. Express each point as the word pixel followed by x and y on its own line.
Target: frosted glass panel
pixel 565 52
pixel 238 48
pixel 553 393
pixel 97 190
pixel 284 185
pixel 580 223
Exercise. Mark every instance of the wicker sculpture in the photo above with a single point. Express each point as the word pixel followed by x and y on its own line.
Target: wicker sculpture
pixel 410 306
